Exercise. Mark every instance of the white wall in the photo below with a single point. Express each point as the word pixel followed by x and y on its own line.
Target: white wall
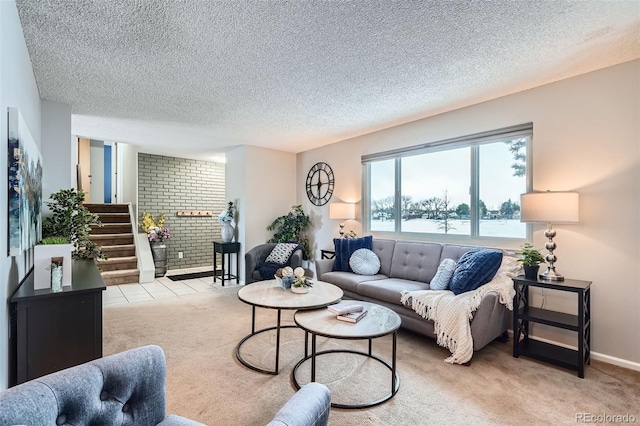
pixel 127 186
pixel 59 171
pixel 264 183
pixel 97 172
pixel 586 139
pixel 17 89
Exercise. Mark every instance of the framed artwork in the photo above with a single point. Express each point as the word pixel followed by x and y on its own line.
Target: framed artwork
pixel 25 186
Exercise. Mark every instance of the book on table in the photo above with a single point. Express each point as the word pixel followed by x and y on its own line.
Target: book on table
pixel 345 307
pixel 352 316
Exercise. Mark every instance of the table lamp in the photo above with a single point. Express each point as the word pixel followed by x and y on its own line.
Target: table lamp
pixel 549 206
pixel 342 212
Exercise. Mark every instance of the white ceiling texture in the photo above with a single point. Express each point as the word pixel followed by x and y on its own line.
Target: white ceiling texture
pixel 194 78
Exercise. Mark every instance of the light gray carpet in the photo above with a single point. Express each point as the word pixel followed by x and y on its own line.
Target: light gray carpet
pixel 205 382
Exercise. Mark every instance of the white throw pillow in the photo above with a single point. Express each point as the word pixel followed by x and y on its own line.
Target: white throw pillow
pixel 364 262
pixel 281 253
pixel 442 277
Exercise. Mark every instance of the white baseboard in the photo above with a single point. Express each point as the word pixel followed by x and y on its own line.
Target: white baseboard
pixel 594 355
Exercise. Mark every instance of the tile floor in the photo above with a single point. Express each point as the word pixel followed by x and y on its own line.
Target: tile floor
pixel 162 288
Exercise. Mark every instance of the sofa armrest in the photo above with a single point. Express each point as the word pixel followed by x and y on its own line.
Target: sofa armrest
pixel 253 258
pixel 489 321
pixel 296 259
pixel 310 406
pixel 323 266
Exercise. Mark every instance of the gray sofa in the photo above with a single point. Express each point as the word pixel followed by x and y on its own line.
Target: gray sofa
pixel 411 266
pixel 258 254
pixel 127 389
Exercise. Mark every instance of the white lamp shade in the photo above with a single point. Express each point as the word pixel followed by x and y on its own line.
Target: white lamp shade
pixel 556 207
pixel 342 211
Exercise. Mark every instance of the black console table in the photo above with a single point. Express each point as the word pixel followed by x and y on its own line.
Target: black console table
pixel 53 331
pixel 523 314
pixel 226 249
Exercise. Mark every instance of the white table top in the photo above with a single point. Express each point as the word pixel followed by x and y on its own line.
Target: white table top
pixel 268 294
pixel 379 321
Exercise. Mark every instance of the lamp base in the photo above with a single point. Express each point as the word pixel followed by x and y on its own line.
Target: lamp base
pixel 551 275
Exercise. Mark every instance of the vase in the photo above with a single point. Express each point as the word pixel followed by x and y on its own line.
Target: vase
pixel 159 253
pixel 531 272
pixel 226 232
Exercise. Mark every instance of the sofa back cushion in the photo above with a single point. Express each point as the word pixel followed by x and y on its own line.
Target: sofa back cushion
pixel 415 261
pixel 453 251
pixel 124 389
pixel 384 250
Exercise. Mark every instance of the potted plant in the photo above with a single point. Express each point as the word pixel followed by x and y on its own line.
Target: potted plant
pixel 227 215
pixel 531 260
pixel 72 221
pixel 291 227
pixel 157 233
pixel 300 284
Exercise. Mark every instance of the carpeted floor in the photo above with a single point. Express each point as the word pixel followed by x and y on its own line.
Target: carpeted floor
pixel 205 382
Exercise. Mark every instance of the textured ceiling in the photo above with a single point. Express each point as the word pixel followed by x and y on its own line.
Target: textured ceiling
pixel 192 78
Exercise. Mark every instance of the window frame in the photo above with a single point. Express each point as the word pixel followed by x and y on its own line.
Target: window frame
pixel 473 142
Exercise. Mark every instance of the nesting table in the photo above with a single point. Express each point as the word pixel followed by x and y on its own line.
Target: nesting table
pixel 379 321
pixel 269 295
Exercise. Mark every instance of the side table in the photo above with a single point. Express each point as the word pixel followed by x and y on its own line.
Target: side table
pixel 327 254
pixel 226 249
pixel 523 314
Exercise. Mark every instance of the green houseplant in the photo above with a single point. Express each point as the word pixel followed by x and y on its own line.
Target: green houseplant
pixel 292 227
pixel 531 260
pixel 72 221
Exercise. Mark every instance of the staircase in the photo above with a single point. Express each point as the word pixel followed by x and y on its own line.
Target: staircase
pixel 116 239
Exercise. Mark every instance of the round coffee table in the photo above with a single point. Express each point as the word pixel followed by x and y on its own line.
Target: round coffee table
pixel 269 295
pixel 379 321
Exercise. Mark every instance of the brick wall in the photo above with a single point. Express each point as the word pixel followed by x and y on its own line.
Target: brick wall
pixel 169 184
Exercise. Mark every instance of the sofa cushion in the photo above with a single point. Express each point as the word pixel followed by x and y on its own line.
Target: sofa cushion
pixel 415 261
pixel 476 267
pixel 453 251
pixel 389 290
pixel 344 248
pixel 364 262
pixel 384 250
pixel 349 281
pixel 443 276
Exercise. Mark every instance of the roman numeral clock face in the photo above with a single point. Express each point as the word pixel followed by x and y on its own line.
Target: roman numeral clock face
pixel 320 182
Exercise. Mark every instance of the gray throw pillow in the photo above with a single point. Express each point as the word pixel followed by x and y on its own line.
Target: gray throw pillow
pixel 442 277
pixel 364 262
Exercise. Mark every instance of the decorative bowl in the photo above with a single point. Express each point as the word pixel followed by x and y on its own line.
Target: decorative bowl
pixel 300 290
pixel 284 282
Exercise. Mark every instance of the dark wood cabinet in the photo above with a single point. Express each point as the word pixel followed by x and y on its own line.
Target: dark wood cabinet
pixel 54 331
pixel 523 314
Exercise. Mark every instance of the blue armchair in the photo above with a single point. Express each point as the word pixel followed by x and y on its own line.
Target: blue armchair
pixel 128 389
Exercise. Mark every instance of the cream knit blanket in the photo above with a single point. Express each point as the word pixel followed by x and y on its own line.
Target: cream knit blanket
pixel 452 314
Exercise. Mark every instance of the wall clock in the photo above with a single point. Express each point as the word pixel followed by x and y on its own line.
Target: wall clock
pixel 320 182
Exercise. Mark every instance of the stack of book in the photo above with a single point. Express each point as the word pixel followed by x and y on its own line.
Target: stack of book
pixel 348 311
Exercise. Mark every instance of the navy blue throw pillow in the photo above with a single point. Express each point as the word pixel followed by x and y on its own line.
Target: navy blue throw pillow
pixel 344 248
pixel 476 267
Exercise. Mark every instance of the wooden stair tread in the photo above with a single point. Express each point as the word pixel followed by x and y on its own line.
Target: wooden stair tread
pixel 119 247
pixel 120 273
pixel 118 259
